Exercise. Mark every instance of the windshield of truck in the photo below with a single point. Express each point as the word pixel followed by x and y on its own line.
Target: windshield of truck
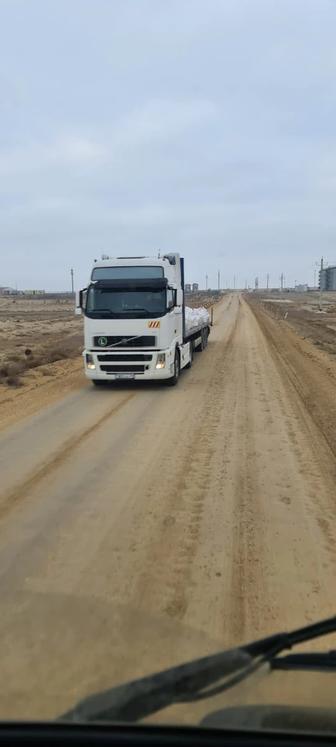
pixel 105 302
pixel 167 348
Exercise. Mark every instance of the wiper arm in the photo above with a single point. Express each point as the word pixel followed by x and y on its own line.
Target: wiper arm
pixel 275 644
pixel 136 308
pixel 97 312
pixel 192 681
pixel 310 661
pixel 140 698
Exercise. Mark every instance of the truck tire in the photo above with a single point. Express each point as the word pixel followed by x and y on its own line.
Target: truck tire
pixel 206 335
pixel 174 379
pixel 191 355
pixel 98 382
pixel 202 344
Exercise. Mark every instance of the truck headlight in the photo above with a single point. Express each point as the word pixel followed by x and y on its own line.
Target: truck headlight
pixel 160 360
pixel 90 364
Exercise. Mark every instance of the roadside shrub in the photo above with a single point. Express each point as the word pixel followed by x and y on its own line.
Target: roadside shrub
pixel 34 362
pixel 14 381
pixel 56 354
pixel 16 368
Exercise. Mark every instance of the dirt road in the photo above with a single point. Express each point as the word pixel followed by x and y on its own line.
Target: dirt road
pixel 143 526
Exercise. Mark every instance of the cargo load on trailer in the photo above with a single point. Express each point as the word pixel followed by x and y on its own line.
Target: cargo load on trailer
pixel 196 317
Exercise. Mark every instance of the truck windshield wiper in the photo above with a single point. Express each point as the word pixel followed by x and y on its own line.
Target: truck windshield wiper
pixel 192 681
pixel 100 312
pixel 136 308
pixel 311 661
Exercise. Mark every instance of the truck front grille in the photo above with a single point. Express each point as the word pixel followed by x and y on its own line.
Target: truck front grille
pixel 134 358
pixel 126 341
pixel 122 369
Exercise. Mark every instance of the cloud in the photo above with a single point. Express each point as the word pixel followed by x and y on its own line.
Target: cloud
pixel 205 130
pixel 34 156
pixel 161 120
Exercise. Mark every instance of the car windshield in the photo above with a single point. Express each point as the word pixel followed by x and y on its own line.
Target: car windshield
pixel 167 359
pixel 125 303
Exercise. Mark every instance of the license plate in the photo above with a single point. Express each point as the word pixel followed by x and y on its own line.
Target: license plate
pixel 124 376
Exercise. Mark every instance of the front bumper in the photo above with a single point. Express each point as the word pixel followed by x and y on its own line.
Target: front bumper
pixel 139 365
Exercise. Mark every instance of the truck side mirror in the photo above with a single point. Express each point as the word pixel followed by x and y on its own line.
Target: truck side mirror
pixel 80 301
pixel 179 297
pixel 171 298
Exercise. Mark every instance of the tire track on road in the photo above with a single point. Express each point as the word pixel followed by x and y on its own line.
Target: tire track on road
pixel 11 498
pixel 308 380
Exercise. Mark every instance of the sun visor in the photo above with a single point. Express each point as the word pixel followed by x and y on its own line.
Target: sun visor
pixel 148 284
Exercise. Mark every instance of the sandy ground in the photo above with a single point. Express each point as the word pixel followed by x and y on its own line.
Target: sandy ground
pixel 311 315
pixel 34 333
pixel 51 334
pixel 143 526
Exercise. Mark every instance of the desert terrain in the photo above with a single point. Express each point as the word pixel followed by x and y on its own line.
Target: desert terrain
pixel 141 526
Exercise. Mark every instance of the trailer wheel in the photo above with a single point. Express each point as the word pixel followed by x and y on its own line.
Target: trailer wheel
pixel 202 344
pixel 206 335
pixel 191 355
pixel 174 379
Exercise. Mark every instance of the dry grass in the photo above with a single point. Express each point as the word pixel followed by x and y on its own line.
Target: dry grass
pixel 301 312
pixel 203 298
pixel 14 381
pixel 35 334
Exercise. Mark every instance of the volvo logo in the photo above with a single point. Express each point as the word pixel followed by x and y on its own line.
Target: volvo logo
pixel 102 342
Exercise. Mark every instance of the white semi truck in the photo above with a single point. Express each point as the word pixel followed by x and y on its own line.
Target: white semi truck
pixel 136 323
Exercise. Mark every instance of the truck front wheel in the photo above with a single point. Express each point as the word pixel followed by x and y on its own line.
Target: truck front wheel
pixel 174 379
pixel 98 382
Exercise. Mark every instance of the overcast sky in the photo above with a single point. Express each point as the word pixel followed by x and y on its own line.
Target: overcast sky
pixel 201 126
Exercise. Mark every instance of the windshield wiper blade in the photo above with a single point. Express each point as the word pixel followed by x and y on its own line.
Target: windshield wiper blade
pixel 96 312
pixel 140 698
pixel 136 308
pixel 319 661
pixel 192 681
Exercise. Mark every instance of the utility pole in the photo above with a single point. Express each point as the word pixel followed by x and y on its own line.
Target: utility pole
pixel 316 265
pixel 320 284
pixel 206 282
pixel 72 281
pixel 218 278
pixel 282 281
pixel 267 281
pixel 234 282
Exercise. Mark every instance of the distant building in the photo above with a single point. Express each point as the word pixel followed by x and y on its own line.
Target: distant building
pixel 328 278
pixel 187 287
pixel 302 288
pixel 33 292
pixel 4 291
pixel 195 287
